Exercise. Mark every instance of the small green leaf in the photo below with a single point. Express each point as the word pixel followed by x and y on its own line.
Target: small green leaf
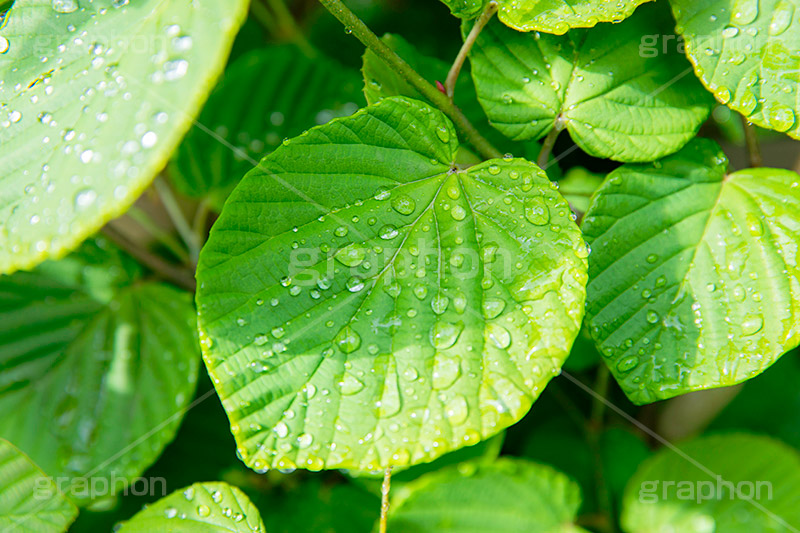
pixel 553 16
pixel 558 16
pixel 746 53
pixel 99 359
pixel 578 185
pixel 614 102
pixel 94 98
pixel 294 94
pixel 29 500
pixel 509 495
pixel 364 303
pixel 465 8
pixel 380 82
pixel 200 508
pixel 775 392
pixel 693 272
pixel 731 483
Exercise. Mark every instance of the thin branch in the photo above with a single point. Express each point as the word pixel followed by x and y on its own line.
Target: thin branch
pixel 385 488
pixel 547 145
pixel 262 15
pixel 288 26
pixel 175 213
pixel 751 140
pixel 480 23
pixel 354 25
pixel 166 239
pixel 180 277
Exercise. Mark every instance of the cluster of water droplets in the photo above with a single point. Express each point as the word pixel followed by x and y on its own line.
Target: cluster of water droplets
pixel 406 244
pixel 65 100
pixel 745 36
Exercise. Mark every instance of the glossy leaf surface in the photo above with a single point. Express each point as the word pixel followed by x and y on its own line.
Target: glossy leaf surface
pixel 694 277
pixel 506 496
pixel 746 53
pixel 211 507
pixel 615 102
pixel 94 97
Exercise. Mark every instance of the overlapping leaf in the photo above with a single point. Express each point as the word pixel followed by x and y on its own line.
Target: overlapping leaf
pixel 29 500
pixel 508 495
pixel 554 16
pixel 380 81
pixel 92 360
pixel 94 97
pixel 747 53
pixel 694 277
pixel 364 303
pixel 294 93
pixel 615 102
pixel 201 508
pixel 732 483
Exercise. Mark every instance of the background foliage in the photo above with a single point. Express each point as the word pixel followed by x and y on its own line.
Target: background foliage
pixel 531 327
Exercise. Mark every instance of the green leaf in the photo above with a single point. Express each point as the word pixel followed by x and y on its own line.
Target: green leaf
pixel 553 16
pixel 380 82
pixel 614 102
pixel 578 185
pixel 693 272
pixel 94 98
pixel 746 53
pixel 734 483
pixel 558 16
pixel 364 303
pixel 97 358
pixel 774 392
pixel 509 495
pixel 465 8
pixel 29 500
pixel 202 508
pixel 294 94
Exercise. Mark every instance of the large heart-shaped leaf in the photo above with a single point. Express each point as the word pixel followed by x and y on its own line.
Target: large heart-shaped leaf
pixel 294 94
pixel 694 277
pixel 552 16
pixel 728 483
pixel 94 97
pixel 509 495
pixel 365 303
pixel 29 500
pixel 212 507
pixel 615 102
pixel 93 362
pixel 746 53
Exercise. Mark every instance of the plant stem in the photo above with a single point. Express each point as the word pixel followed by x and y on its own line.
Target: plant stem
pixel 385 488
pixel 354 25
pixel 263 17
pixel 595 432
pixel 483 19
pixel 549 142
pixel 288 26
pixel 166 239
pixel 180 277
pixel 178 220
pixel 751 140
pixel 199 224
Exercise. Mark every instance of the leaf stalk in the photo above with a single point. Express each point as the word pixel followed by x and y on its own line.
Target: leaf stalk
pixel 356 26
pixel 455 69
